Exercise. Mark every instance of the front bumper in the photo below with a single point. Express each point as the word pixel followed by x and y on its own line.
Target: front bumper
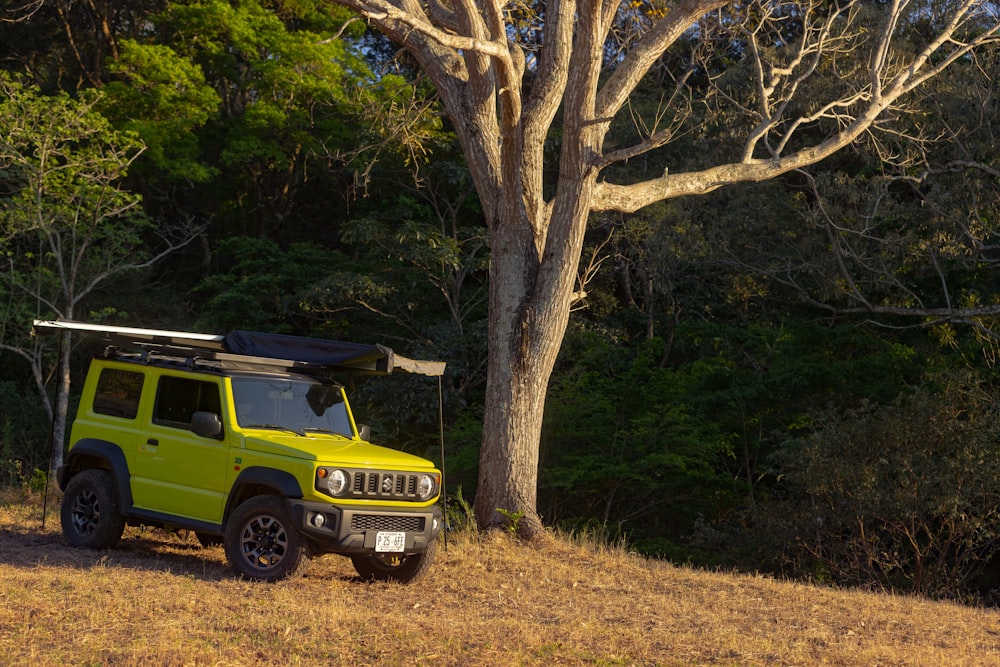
pixel 351 531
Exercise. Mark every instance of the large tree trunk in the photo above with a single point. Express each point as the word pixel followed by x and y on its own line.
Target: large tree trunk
pixel 532 276
pixel 508 464
pixel 526 326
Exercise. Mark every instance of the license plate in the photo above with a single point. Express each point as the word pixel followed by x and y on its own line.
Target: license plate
pixel 390 542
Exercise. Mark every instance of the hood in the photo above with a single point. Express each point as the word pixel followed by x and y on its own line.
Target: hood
pixel 333 450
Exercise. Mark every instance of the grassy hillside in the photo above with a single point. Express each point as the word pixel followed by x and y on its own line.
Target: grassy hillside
pixel 160 599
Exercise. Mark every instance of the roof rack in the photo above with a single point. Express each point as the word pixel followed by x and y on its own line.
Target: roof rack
pixel 248 350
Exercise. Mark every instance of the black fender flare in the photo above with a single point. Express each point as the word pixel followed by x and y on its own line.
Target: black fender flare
pixel 281 482
pixel 112 458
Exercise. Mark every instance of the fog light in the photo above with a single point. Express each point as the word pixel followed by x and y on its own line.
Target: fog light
pixel 319 520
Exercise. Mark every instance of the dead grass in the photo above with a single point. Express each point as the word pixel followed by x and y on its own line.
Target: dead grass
pixel 158 599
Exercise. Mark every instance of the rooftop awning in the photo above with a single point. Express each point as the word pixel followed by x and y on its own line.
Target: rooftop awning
pixel 297 351
pixel 376 359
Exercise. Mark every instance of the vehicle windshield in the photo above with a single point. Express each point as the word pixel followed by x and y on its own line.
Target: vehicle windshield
pixel 299 405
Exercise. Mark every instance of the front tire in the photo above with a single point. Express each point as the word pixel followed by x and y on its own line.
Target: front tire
pixel 261 543
pixel 402 569
pixel 90 516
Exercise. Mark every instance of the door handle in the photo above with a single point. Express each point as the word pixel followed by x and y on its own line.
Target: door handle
pixel 153 441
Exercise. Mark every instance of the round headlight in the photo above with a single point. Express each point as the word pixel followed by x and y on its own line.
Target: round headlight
pixel 425 487
pixel 336 483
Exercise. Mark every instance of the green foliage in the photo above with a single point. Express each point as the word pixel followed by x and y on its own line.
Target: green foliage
pixel 902 497
pixel 438 265
pixel 259 286
pixel 463 437
pixel 67 224
pixel 621 443
pixel 253 116
pixel 658 451
pixel 61 160
pixel 418 276
pixel 513 520
pixel 165 99
pixel 459 512
pixel 280 89
pixel 23 435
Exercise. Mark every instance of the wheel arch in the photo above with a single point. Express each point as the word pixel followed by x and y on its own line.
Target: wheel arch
pixel 90 453
pixel 260 481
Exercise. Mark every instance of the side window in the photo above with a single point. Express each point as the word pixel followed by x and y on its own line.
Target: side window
pixel 177 399
pixel 118 393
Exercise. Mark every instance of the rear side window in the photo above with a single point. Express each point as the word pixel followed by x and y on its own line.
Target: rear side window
pixel 177 399
pixel 118 393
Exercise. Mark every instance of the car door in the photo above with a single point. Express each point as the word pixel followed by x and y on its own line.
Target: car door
pixel 178 472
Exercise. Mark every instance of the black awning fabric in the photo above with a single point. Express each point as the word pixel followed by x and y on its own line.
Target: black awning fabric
pixel 354 357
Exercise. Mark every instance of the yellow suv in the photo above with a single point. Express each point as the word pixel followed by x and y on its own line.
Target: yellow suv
pixel 246 440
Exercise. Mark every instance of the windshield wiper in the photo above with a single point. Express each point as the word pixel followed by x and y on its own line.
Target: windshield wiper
pixel 313 429
pixel 278 427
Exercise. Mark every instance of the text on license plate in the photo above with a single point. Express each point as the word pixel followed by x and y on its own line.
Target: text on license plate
pixel 386 542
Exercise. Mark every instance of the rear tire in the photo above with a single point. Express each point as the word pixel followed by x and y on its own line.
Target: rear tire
pixel 261 543
pixel 90 515
pixel 402 569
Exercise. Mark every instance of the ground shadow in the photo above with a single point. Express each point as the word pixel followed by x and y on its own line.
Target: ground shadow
pixel 144 549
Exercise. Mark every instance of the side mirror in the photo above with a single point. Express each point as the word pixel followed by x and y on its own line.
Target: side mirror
pixel 365 432
pixel 206 424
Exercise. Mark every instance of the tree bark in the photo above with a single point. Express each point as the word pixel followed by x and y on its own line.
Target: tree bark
pixel 529 310
pixel 60 412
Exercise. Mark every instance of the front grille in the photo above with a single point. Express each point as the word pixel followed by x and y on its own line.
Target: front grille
pixel 409 524
pixel 383 484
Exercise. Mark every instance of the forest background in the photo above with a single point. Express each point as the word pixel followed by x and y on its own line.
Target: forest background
pixel 794 377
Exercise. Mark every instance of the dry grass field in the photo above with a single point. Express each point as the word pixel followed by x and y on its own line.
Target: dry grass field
pixel 160 599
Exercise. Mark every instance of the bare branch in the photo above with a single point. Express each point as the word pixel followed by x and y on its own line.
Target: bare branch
pixel 386 13
pixel 636 64
pixel 654 136
pixel 22 13
pixel 854 114
pixel 590 271
pixel 337 35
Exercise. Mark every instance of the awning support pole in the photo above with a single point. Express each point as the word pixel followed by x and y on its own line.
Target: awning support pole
pixel 444 488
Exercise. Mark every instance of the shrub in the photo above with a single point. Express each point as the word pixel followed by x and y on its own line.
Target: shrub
pixel 903 498
pixel 24 429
